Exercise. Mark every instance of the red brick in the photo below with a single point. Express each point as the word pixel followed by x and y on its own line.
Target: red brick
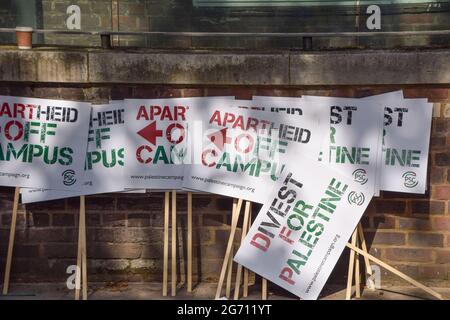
pixel 193 92
pixel 441 223
pixel 432 94
pixel 40 219
pixel 425 239
pixel 114 219
pixel 114 251
pixel 433 272
pixel 390 206
pixel 441 192
pixel 437 175
pixel 427 207
pixel 276 92
pixel 384 222
pixel 415 224
pixel 138 219
pixel 441 126
pixel 385 238
pixel 63 219
pixel 438 142
pixel 443 256
pixel 409 255
pixel 442 159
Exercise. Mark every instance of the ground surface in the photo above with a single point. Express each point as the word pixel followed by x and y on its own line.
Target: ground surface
pixel 147 291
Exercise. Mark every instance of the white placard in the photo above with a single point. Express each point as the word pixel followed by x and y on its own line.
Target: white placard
pixel 104 157
pixel 407 126
pixel 43 142
pixel 355 137
pixel 303 227
pixel 156 135
pixel 384 100
pixel 240 152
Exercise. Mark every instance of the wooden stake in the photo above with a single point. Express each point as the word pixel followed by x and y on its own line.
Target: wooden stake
pixel 174 244
pixel 12 233
pixel 79 260
pixel 229 274
pixel 396 272
pixel 369 270
pixel 264 289
pixel 166 243
pixel 189 242
pixel 357 273
pixel 348 293
pixel 234 221
pixel 83 246
pixel 246 272
pixel 239 267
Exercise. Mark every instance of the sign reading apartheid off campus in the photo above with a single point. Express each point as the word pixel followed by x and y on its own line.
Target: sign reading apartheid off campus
pixel 240 152
pixel 156 137
pixel 43 142
pixel 407 128
pixel 355 137
pixel 104 160
pixel 303 227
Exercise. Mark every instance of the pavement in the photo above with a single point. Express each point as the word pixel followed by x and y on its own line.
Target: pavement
pixel 152 291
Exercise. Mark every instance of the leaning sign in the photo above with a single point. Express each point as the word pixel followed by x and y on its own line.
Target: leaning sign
pixel 239 152
pixel 104 157
pixel 303 227
pixel 43 142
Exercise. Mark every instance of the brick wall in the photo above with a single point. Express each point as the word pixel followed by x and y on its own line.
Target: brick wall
pixel 124 231
pixel 181 15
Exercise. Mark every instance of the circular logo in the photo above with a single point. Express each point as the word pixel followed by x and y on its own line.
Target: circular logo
pixel 360 176
pixel 356 198
pixel 69 177
pixel 410 179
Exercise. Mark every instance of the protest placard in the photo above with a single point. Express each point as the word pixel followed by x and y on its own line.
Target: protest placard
pixel 354 142
pixel 407 128
pixel 156 134
pixel 303 227
pixel 240 152
pixel 384 100
pixel 43 142
pixel 104 157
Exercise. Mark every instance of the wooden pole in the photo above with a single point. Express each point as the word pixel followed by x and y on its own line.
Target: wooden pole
pixel 79 260
pixel 239 267
pixel 396 272
pixel 363 245
pixel 189 242
pixel 246 272
pixel 351 262
pixel 174 244
pixel 234 221
pixel 166 243
pixel 264 289
pixel 229 274
pixel 357 273
pixel 12 233
pixel 83 246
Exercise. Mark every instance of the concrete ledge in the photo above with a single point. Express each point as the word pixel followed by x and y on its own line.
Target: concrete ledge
pixel 226 68
pixel 189 68
pixel 371 68
pixel 43 66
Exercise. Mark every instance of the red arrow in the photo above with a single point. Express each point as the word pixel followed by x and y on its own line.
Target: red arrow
pixel 150 133
pixel 220 138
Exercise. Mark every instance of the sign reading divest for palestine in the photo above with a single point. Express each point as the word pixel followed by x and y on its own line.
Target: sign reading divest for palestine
pixel 407 127
pixel 303 227
pixel 239 152
pixel 156 137
pixel 104 158
pixel 43 142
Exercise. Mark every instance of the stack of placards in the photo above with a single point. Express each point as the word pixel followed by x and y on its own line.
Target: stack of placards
pixel 313 162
